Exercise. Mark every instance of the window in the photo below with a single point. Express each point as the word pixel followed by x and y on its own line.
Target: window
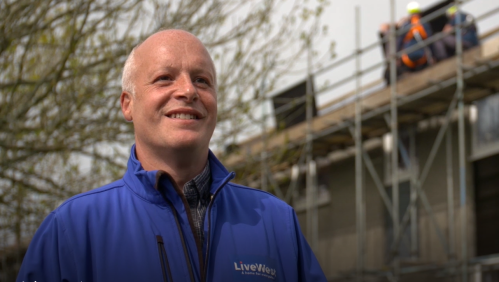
pixel 484 117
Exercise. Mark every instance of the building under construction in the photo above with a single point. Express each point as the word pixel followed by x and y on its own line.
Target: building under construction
pixel 391 182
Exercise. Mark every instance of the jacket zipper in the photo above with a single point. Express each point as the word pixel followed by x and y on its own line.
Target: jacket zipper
pixel 205 267
pixel 204 264
pixel 163 259
pixel 181 234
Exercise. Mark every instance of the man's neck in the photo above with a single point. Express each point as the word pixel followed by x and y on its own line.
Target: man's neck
pixel 181 165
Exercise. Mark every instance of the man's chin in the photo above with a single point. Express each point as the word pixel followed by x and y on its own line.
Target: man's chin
pixel 187 146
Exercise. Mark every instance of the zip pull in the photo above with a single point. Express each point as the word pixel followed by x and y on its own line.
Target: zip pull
pixel 163 259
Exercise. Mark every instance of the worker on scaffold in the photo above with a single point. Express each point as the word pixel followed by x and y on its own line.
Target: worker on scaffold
pixel 415 33
pixel 447 46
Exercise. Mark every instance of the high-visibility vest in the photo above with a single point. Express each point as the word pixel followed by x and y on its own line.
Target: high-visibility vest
pixel 416 26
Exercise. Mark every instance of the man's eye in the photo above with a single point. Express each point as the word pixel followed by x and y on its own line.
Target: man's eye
pixel 163 78
pixel 201 80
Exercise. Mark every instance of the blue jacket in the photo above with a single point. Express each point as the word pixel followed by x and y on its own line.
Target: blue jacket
pixel 469 32
pixel 130 231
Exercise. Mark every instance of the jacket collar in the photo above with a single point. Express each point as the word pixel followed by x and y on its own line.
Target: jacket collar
pixel 219 174
pixel 144 183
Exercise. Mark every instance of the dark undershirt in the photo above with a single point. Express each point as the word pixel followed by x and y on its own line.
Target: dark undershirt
pixel 197 194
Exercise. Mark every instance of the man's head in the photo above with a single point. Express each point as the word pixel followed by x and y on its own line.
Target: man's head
pixel 413 8
pixel 451 11
pixel 169 92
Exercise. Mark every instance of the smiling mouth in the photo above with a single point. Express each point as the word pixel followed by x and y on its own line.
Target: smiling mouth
pixel 182 116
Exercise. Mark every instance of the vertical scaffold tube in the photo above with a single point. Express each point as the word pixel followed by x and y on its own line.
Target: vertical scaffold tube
pixel 359 190
pixel 450 198
pixel 462 149
pixel 311 191
pixel 394 129
pixel 263 154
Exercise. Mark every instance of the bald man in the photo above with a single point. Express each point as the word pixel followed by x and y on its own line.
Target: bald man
pixel 174 216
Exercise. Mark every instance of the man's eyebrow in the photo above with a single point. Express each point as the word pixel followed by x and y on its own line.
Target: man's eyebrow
pixel 160 71
pixel 200 68
pixel 204 70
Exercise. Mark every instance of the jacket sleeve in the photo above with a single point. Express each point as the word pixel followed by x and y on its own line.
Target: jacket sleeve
pixel 429 33
pixel 48 258
pixel 308 266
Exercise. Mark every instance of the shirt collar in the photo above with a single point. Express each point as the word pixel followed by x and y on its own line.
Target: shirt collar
pixel 198 187
pixel 202 180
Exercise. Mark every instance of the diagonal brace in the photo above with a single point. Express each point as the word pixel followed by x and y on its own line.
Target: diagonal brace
pixel 422 179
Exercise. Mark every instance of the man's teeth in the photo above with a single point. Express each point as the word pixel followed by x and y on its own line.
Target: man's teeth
pixel 183 116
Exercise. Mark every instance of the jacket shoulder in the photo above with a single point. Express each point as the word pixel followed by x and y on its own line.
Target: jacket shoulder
pixel 252 193
pixel 91 196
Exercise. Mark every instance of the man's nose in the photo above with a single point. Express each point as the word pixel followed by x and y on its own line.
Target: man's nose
pixel 186 89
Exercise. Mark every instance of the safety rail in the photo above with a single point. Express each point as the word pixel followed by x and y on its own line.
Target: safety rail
pixel 293 102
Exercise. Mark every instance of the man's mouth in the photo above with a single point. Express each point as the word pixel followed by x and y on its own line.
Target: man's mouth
pixel 182 116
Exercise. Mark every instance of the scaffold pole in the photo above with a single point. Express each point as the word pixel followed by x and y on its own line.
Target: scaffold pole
pixel 359 189
pixel 462 140
pixel 394 130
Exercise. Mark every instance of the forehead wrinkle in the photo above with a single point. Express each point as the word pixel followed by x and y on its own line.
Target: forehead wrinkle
pixel 175 41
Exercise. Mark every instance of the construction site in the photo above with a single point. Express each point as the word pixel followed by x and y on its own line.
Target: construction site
pixel 394 181
pixel 397 180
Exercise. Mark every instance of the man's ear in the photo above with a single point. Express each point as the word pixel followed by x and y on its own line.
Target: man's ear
pixel 126 101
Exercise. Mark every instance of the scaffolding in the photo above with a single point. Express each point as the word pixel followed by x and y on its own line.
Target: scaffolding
pixel 386 106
